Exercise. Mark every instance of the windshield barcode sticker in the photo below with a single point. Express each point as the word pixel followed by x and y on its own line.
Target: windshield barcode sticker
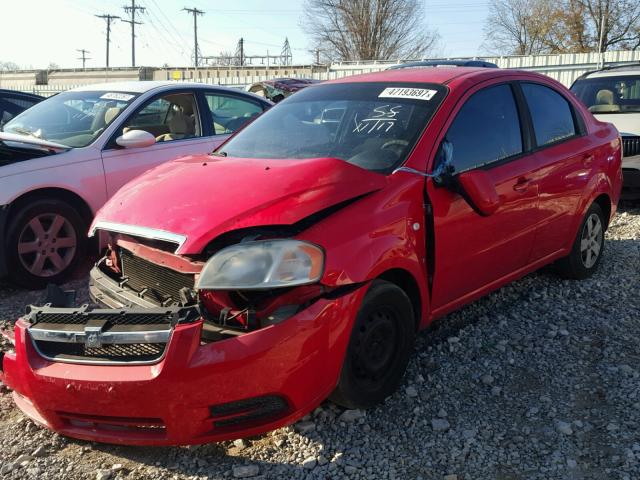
pixel 414 93
pixel 125 97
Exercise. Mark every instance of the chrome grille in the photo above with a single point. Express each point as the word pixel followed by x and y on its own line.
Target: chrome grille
pixel 631 146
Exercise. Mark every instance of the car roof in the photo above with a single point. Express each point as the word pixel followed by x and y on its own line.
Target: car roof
pixel 143 86
pixel 6 92
pixel 438 75
pixel 614 71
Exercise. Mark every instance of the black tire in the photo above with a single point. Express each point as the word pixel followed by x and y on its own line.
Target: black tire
pixel 578 265
pixel 379 349
pixel 19 232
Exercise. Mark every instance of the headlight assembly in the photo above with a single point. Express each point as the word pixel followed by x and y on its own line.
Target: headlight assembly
pixel 262 265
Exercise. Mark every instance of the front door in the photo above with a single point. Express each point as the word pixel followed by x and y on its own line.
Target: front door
pixel 473 251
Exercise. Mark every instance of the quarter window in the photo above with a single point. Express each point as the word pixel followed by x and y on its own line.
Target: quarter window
pixel 230 113
pixel 486 129
pixel 550 112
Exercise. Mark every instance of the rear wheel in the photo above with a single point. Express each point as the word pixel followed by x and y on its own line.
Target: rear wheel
pixel 46 240
pixel 587 248
pixel 379 349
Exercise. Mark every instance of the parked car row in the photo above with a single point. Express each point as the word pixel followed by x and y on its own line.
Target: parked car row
pixel 296 262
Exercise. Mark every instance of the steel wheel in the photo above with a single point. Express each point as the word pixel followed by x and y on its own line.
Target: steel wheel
pixel 375 346
pixel 591 240
pixel 379 348
pixel 47 245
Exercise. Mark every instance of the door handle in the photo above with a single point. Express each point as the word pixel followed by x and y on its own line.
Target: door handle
pixel 522 184
pixel 587 160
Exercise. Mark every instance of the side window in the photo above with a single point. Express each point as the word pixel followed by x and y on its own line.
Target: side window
pixel 551 114
pixel 168 118
pixel 230 113
pixel 486 129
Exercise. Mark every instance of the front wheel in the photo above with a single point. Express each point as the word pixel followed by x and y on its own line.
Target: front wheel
pixel 45 242
pixel 587 248
pixel 379 349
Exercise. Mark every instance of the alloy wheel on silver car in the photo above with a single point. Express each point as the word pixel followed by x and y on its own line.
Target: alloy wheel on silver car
pixel 591 240
pixel 47 245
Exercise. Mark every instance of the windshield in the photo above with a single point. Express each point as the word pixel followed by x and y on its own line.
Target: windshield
pixel 73 119
pixel 610 94
pixel 372 125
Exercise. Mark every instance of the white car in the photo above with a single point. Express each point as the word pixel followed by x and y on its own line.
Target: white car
pixel 613 95
pixel 63 158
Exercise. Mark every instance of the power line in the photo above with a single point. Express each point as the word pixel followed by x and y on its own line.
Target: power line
pixel 132 12
pixel 84 57
pixel 109 19
pixel 195 12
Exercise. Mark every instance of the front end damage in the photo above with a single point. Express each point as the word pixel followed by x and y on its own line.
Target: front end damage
pixel 168 364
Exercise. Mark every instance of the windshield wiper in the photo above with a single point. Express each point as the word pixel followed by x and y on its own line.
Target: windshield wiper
pixel 219 154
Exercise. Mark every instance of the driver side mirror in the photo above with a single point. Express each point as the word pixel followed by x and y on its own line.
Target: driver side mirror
pixel 479 191
pixel 136 139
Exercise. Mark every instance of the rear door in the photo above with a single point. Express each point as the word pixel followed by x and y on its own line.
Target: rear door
pixel 225 113
pixel 176 121
pixel 472 251
pixel 566 157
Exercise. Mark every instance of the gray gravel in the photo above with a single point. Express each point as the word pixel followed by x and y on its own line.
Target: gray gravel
pixel 538 381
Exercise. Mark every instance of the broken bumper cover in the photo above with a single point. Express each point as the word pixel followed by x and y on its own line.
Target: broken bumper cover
pixel 196 393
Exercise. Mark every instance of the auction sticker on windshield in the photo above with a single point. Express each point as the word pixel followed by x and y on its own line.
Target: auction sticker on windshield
pixel 413 93
pixel 125 97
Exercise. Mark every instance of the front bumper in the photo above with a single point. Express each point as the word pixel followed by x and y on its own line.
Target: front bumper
pixel 190 395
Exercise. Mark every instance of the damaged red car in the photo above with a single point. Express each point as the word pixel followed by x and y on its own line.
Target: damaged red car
pixel 297 262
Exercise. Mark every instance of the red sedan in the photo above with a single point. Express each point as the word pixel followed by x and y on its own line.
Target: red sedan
pixel 298 261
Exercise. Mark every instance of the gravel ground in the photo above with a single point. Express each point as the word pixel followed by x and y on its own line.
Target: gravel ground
pixel 539 380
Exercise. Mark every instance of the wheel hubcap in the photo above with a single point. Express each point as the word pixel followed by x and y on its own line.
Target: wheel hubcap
pixel 591 240
pixel 376 346
pixel 47 245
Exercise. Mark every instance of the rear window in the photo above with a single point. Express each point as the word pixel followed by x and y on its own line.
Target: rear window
pixel 551 114
pixel 619 94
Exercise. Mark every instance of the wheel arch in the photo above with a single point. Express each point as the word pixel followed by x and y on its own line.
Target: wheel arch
pixel 67 196
pixel 604 201
pixel 406 282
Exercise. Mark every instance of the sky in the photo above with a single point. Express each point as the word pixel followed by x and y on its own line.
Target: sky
pixel 36 33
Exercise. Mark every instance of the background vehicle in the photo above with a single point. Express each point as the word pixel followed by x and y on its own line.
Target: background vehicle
pixel 613 95
pixel 280 88
pixel 301 260
pixel 12 103
pixel 61 160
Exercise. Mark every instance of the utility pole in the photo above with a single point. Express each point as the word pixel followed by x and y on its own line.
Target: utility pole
pixel 132 12
pixel 286 55
pixel 241 48
pixel 601 42
pixel 109 19
pixel 84 57
pixel 195 12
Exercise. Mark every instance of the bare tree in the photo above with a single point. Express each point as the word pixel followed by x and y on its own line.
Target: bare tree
pixel 547 26
pixel 619 20
pixel 6 66
pixel 368 29
pixel 520 27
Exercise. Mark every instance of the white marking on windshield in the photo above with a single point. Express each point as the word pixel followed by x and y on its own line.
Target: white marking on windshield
pixel 382 116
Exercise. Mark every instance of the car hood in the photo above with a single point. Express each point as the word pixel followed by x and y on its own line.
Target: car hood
pixel 201 197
